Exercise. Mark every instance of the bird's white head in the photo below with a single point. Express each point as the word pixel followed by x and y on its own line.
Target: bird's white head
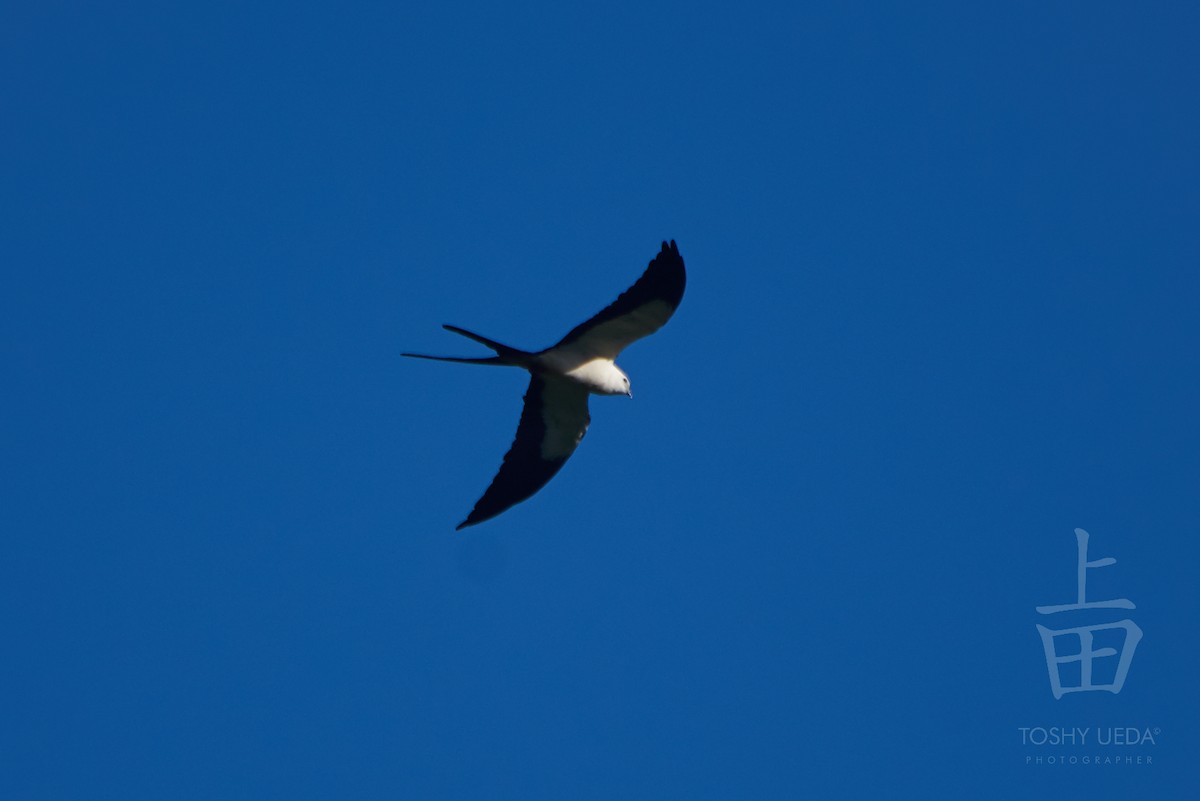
pixel 617 383
pixel 628 388
pixel 613 381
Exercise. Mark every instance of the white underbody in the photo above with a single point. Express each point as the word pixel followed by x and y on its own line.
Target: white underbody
pixel 598 375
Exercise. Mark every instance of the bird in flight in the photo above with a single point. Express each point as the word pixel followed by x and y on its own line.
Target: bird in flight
pixel 555 416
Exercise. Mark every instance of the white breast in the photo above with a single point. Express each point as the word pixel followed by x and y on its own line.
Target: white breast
pixel 600 376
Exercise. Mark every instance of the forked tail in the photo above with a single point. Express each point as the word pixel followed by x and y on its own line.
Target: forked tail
pixel 504 354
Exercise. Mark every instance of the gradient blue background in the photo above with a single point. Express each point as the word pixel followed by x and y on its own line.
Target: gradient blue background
pixel 942 310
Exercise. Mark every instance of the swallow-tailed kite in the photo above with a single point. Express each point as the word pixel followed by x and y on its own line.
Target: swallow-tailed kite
pixel 555 416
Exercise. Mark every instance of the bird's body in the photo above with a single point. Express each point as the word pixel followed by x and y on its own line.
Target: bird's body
pixel 597 376
pixel 555 416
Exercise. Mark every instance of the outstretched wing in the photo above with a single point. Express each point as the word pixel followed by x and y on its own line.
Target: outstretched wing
pixel 554 420
pixel 641 310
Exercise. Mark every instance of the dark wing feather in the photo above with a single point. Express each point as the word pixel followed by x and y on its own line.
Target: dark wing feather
pixel 553 421
pixel 641 310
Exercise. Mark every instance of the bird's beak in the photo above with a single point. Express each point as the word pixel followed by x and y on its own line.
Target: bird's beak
pixel 629 392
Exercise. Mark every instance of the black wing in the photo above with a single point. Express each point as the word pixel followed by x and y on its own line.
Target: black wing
pixel 554 420
pixel 641 310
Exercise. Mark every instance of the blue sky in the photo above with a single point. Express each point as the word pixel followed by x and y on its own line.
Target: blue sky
pixel 941 312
